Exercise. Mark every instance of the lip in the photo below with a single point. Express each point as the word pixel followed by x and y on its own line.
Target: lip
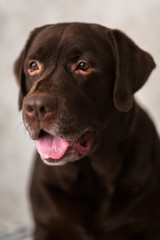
pixel 75 149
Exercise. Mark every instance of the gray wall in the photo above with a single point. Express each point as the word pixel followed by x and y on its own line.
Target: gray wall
pixel 140 19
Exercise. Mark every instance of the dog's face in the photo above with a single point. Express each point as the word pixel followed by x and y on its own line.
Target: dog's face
pixel 73 77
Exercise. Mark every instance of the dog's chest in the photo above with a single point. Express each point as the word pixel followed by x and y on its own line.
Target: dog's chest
pixel 80 192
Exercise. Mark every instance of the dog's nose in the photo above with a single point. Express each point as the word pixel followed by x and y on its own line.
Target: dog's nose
pixel 38 107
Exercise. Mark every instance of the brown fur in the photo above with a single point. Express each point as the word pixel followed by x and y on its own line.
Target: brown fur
pixel 112 193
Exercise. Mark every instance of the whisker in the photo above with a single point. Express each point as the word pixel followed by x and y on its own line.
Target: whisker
pixel 19 125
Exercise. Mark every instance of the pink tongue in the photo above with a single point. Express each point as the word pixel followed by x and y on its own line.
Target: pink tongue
pixel 51 147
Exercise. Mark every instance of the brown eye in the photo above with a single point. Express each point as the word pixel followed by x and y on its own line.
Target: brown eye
pixel 84 66
pixel 33 66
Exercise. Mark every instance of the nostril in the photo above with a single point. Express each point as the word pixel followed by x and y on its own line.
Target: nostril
pixel 29 108
pixel 42 109
pixel 49 107
pixel 30 111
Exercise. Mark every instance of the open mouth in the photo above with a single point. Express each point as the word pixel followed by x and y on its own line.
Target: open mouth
pixel 54 149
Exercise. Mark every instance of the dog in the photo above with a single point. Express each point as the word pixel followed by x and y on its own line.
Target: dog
pixel 97 171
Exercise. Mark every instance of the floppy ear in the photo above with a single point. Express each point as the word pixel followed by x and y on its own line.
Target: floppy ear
pixel 18 69
pixel 19 65
pixel 132 68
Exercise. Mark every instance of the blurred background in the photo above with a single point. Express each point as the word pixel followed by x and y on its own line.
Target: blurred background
pixel 139 19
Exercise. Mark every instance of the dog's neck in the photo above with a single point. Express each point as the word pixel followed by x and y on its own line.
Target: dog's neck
pixel 116 139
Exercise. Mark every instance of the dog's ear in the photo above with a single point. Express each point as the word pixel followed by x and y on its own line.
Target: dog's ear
pixel 132 68
pixel 19 65
pixel 20 76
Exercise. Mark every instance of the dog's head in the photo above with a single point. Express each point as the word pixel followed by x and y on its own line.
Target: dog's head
pixel 72 78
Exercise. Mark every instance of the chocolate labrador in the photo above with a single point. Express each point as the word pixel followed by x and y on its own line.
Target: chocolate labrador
pixel 101 177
